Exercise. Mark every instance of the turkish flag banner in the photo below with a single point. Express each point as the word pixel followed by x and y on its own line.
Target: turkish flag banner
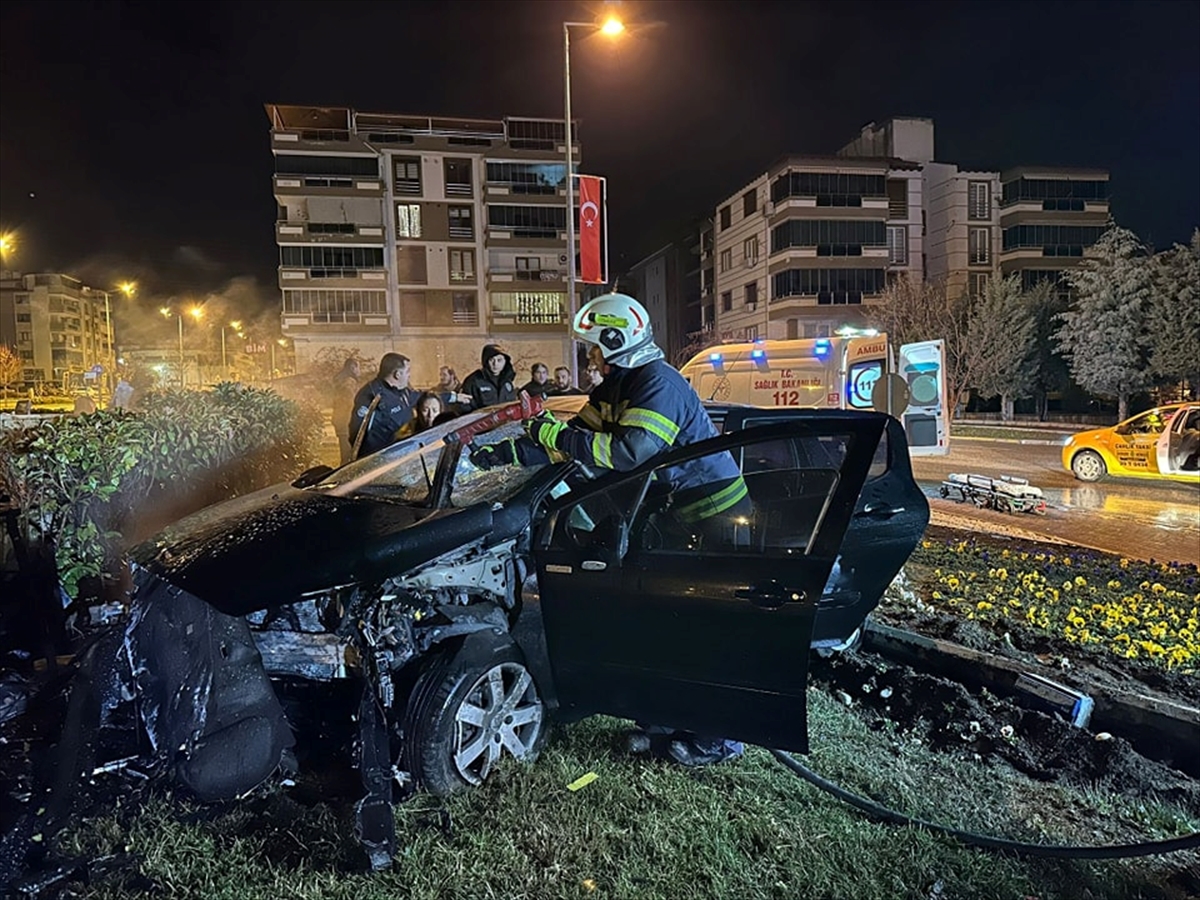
pixel 591 201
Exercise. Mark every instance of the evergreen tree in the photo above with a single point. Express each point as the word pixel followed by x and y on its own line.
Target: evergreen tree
pixel 1104 333
pixel 1175 315
pixel 1003 322
pixel 1051 374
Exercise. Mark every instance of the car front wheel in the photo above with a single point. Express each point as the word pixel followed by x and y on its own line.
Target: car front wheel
pixel 470 708
pixel 1088 466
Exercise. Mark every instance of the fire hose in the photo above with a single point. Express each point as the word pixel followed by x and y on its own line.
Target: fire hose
pixel 986 842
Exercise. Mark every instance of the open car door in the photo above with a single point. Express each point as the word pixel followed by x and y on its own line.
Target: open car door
pixel 648 621
pixel 1178 447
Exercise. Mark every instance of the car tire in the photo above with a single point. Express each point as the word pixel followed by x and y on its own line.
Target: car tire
pixel 1088 465
pixel 460 716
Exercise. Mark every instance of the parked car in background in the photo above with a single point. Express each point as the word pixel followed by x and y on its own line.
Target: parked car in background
pixel 473 607
pixel 1132 448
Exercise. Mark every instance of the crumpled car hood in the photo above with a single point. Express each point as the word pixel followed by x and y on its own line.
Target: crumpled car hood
pixel 267 548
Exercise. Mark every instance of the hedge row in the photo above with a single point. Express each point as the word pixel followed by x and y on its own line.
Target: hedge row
pixel 94 484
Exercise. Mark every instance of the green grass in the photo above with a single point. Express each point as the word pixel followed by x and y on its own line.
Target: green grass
pixel 647 829
pixel 1012 433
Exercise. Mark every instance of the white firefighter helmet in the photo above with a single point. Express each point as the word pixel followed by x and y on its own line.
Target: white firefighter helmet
pixel 620 327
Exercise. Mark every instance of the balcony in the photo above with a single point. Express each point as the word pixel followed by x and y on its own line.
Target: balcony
pixel 326 186
pixel 331 277
pixel 518 277
pixel 529 311
pixel 322 233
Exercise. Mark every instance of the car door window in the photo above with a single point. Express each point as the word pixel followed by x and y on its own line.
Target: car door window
pixel 790 482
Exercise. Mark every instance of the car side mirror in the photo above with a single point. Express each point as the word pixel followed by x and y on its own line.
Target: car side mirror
pixel 312 476
pixel 610 538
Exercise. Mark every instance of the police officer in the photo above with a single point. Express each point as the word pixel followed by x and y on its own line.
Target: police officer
pixel 384 404
pixel 642 408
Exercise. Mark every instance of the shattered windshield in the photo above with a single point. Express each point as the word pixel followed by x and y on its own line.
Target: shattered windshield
pixel 402 472
pixel 475 485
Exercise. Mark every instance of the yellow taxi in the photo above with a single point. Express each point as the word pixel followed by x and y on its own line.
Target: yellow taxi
pixel 1158 443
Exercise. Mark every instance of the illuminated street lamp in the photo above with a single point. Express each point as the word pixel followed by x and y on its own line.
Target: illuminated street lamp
pixel 611 27
pixel 128 288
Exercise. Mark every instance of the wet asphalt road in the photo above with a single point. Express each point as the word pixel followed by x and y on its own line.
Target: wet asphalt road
pixel 1129 516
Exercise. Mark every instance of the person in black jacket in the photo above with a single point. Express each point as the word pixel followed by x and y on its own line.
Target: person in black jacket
pixel 492 382
pixel 383 405
pixel 539 384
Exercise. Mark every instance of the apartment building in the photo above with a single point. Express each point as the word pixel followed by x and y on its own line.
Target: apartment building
pixel 802 248
pixel 428 236
pixel 58 326
pixel 1048 218
pixel 808 245
pixel 668 284
pixel 962 227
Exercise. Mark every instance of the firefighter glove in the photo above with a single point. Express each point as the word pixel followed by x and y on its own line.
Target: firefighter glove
pixel 501 453
pixel 544 431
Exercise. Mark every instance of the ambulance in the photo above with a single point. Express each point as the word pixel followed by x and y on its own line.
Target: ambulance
pixel 852 371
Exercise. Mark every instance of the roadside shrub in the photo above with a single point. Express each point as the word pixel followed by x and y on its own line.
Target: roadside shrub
pixel 94 484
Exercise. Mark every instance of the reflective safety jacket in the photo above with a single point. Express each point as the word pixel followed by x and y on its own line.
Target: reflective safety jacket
pixel 636 414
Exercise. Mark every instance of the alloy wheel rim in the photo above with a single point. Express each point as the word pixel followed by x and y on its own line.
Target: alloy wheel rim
pixel 500 714
pixel 1088 466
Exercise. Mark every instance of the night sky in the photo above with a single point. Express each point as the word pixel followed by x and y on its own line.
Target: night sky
pixel 133 141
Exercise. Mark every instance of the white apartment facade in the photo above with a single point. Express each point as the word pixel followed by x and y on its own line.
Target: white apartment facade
pixel 59 328
pixel 427 236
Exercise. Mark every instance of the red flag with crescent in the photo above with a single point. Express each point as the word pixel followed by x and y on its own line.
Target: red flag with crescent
pixel 591 199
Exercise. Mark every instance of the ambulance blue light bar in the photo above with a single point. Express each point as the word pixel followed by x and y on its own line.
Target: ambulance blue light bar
pixel 718 363
pixel 821 348
pixel 758 356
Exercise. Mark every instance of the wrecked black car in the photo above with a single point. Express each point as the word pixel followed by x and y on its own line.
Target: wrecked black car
pixel 473 607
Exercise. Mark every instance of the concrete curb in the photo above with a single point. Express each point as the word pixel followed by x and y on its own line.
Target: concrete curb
pixel 1159 729
pixel 996 440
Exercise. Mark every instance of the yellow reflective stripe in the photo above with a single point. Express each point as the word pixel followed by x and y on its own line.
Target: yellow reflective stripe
pixel 655 423
pixel 602 449
pixel 591 417
pixel 728 496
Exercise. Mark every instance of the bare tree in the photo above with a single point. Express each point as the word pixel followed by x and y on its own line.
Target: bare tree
pixel 10 368
pixel 1004 320
pixel 923 311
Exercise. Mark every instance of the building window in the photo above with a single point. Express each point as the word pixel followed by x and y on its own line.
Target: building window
pixel 24 317
pixel 750 333
pixel 465 308
pixel 458 177
pixel 1055 240
pixel 838 237
pixel 897 245
pixel 528 308
pixel 24 336
pixel 727 301
pixel 408 175
pixel 345 166
pixel 528 221
pixel 979 201
pixel 829 286
pixel 462 265
pixel 725 263
pixel 462 223
pixel 977 283
pixel 752 294
pixel 408 220
pixel 331 262
pixel 1051 191
pixel 330 228
pixel 528 268
pixel 897 191
pixel 979 246
pixel 829 188
pixel 749 203
pixel 750 250
pixel 528 178
pixel 726 217
pixel 334 306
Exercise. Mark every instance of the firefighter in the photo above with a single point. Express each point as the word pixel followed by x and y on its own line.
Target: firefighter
pixel 642 408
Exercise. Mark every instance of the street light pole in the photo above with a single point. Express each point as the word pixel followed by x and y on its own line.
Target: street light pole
pixel 224 364
pixel 611 26
pixel 182 381
pixel 570 179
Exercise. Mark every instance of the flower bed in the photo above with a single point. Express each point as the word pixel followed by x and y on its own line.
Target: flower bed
pixel 1065 599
